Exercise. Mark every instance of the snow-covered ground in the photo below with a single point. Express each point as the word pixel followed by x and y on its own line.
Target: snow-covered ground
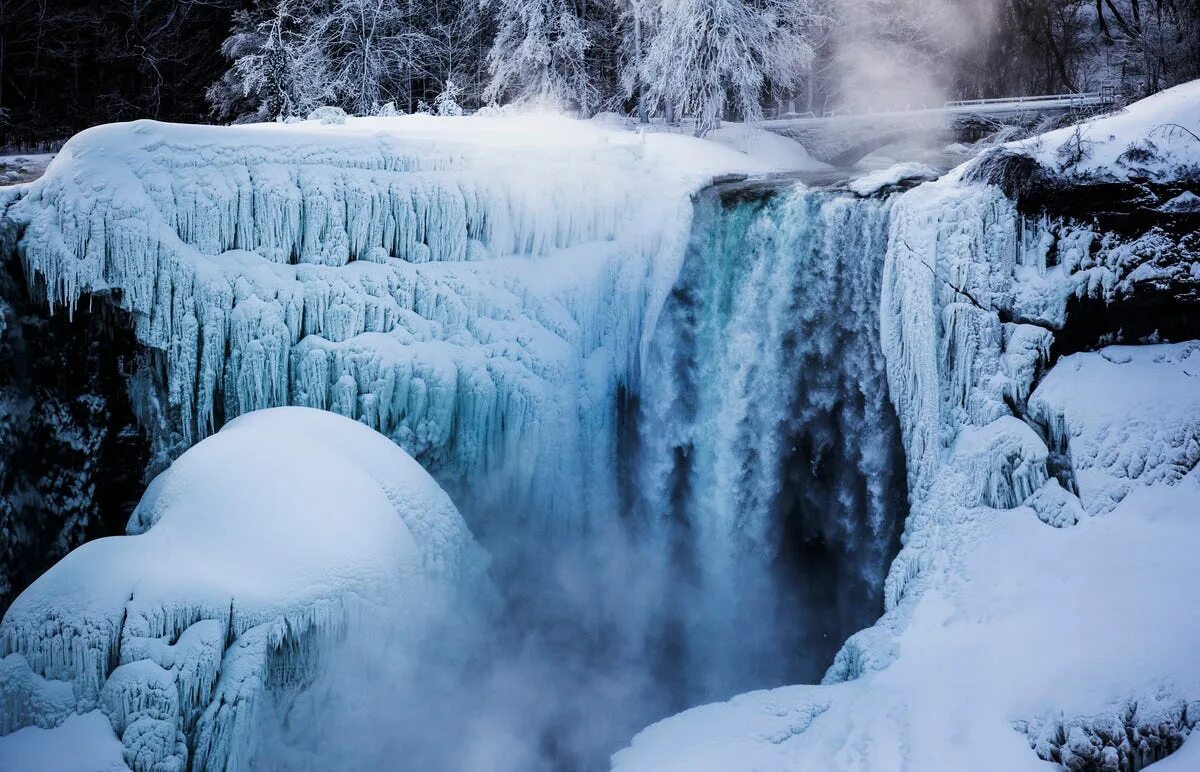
pixel 1157 138
pixel 251 555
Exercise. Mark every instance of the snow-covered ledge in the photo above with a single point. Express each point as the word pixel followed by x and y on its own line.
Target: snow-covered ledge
pixel 1042 607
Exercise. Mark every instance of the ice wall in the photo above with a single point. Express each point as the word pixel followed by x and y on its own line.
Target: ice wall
pixel 769 454
pixel 474 289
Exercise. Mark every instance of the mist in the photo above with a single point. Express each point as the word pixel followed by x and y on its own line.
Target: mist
pixel 901 54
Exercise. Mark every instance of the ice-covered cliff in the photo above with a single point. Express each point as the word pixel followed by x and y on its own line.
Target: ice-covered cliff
pixel 1040 608
pixel 441 280
pixel 247 561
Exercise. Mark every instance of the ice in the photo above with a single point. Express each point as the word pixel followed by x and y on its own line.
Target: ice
pixel 444 280
pixel 909 171
pixel 250 555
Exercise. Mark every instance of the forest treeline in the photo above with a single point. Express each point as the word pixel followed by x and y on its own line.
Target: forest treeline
pixel 69 64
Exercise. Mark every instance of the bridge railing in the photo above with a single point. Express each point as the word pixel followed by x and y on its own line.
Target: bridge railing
pixel 1090 97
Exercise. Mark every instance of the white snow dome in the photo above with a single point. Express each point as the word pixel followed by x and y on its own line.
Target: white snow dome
pixel 256 546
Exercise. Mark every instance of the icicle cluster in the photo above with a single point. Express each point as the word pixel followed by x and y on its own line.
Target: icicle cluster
pixel 447 294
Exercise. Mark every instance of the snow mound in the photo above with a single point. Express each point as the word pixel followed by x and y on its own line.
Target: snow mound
pixel 1156 138
pixel 251 554
pixel 1084 401
pixel 783 153
pixel 1008 656
pixel 873 182
pixel 475 288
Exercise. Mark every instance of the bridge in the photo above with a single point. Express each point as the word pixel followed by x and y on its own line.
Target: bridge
pixel 843 138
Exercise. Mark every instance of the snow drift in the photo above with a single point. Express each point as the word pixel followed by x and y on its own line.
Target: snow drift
pixel 246 560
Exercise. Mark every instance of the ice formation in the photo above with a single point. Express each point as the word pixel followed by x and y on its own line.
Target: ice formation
pixel 1000 646
pixel 476 289
pixel 247 560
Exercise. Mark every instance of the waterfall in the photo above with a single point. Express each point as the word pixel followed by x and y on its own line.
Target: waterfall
pixel 768 453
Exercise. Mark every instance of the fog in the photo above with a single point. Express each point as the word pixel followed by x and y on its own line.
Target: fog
pixel 899 54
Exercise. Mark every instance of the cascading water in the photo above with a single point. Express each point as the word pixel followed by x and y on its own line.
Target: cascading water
pixel 768 449
pixel 764 491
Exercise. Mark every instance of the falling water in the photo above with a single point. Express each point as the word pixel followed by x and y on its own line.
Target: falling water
pixel 768 452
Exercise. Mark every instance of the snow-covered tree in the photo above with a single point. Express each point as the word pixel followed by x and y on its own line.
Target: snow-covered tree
pixel 712 57
pixel 279 68
pixel 375 48
pixel 540 54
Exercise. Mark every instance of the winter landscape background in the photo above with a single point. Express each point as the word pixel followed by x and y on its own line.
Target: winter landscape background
pixel 655 385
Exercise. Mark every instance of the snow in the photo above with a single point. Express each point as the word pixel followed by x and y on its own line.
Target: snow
pixel 82 743
pixel 871 183
pixel 1081 403
pixel 268 537
pixel 769 147
pixel 1017 628
pixel 1100 148
pixel 440 279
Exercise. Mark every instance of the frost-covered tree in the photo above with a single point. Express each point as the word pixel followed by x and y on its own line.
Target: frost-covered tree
pixel 540 55
pixel 354 54
pixel 375 49
pixel 714 57
pixel 638 17
pixel 278 68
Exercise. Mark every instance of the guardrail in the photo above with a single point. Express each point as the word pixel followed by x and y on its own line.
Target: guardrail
pixel 1040 101
pixel 1090 97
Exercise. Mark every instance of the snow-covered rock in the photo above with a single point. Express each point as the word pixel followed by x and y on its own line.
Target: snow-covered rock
pixel 249 557
pixel 1157 138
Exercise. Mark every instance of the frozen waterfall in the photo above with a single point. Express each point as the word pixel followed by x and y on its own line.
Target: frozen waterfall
pixel 664 414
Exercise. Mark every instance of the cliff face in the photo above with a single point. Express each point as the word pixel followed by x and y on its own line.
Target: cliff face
pixel 72 455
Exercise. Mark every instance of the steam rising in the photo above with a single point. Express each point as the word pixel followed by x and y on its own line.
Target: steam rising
pixel 896 54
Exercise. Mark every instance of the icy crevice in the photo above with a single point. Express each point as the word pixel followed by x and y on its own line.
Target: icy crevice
pixel 1129 737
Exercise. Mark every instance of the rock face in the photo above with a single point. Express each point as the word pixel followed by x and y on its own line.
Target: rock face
pixel 72 453
pixel 248 559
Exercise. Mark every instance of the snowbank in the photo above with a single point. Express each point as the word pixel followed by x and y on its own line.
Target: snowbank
pixel 476 289
pixel 1157 138
pixel 250 554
